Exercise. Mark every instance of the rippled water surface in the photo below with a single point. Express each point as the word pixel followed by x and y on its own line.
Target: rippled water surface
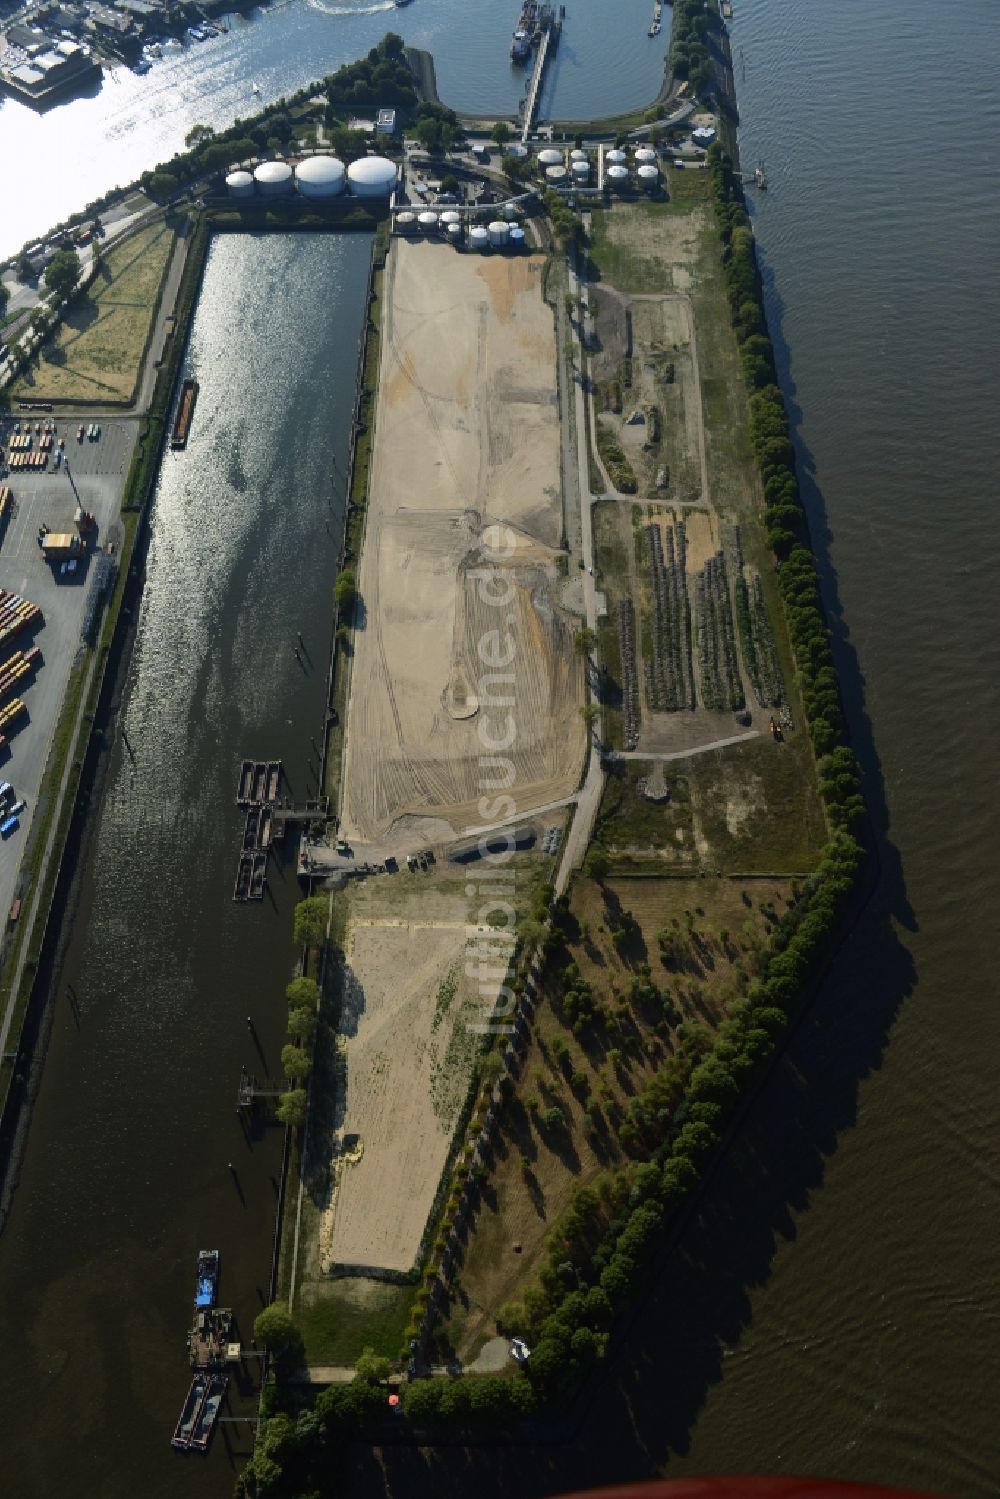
pixel 126 1172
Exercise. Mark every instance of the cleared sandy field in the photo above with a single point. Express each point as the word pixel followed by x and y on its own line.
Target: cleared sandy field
pixel 408 1058
pixel 466 437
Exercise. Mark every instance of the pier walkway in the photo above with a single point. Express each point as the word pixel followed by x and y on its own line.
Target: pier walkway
pixel 546 47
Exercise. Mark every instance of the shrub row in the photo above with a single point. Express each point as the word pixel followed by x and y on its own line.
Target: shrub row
pixel 688 49
pixel 784 516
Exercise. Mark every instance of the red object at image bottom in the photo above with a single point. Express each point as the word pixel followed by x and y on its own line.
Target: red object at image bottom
pixel 747 1488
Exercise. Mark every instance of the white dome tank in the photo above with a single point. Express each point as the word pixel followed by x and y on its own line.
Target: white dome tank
pixel 645 156
pixel 616 157
pixel 618 175
pixel 581 170
pixel 578 155
pixel 478 237
pixel 372 176
pixel 320 177
pixel 454 231
pixel 427 221
pixel 556 174
pixel 648 175
pixel 274 178
pixel 406 222
pixel 450 217
pixel 516 238
pixel 499 230
pixel 550 157
pixel 240 185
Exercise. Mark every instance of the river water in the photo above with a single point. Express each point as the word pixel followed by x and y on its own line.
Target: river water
pixel 834 1306
pixel 126 1172
pixel 59 161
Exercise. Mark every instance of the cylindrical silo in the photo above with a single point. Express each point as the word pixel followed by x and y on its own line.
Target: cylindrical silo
pixel 499 230
pixel 578 155
pixel 240 185
pixel 555 174
pixel 648 175
pixel 450 217
pixel 550 157
pixel 320 177
pixel 516 237
pixel 645 156
pixel 273 178
pixel 406 222
pixel 427 221
pixel 372 177
pixel 454 232
pixel 478 237
pixel 618 176
pixel 581 171
pixel 615 157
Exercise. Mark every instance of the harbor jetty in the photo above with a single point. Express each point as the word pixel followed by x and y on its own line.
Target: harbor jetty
pixel 545 26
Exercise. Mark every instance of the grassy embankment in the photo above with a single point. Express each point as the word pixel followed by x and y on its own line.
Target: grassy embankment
pixel 95 355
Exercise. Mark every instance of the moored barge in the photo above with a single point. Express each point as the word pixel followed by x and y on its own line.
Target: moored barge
pixel 185 411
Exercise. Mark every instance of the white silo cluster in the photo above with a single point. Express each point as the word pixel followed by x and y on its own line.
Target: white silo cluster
pixel 615 157
pixel 320 177
pixel 427 222
pixel 645 156
pixel 581 171
pixel 648 176
pixel 617 176
pixel 273 179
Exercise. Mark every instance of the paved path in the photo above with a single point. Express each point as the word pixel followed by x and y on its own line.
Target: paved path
pixel 589 799
pixel 683 754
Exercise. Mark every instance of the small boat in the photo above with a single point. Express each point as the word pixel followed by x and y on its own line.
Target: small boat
pixel 208 1277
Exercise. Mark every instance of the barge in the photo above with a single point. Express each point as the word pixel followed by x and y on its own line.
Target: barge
pixel 259 782
pixel 208 1340
pixel 185 412
pixel 199 1413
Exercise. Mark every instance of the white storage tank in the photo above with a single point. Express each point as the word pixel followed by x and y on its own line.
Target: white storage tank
pixel 273 178
pixel 320 177
pixel 478 237
pixel 648 175
pixel 516 238
pixel 645 156
pixel 550 157
pixel 499 230
pixel 581 171
pixel 454 232
pixel 450 217
pixel 427 221
pixel 578 154
pixel 555 174
pixel 618 176
pixel 510 212
pixel 615 157
pixel 372 176
pixel 240 185
pixel 406 222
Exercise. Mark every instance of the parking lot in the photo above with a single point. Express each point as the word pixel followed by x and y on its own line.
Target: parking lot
pixel 98 472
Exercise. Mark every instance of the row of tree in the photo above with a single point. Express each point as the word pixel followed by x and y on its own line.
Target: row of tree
pixel 688 46
pixel 784 515
pixel 383 77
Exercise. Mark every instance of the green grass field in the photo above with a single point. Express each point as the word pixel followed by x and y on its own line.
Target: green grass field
pixel 95 354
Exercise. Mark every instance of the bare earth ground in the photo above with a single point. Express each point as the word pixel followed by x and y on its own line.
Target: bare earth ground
pixel 408 1054
pixel 466 435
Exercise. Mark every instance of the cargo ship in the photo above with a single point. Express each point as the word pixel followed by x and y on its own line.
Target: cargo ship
pixel 524 31
pixel 207 1278
pixel 185 411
